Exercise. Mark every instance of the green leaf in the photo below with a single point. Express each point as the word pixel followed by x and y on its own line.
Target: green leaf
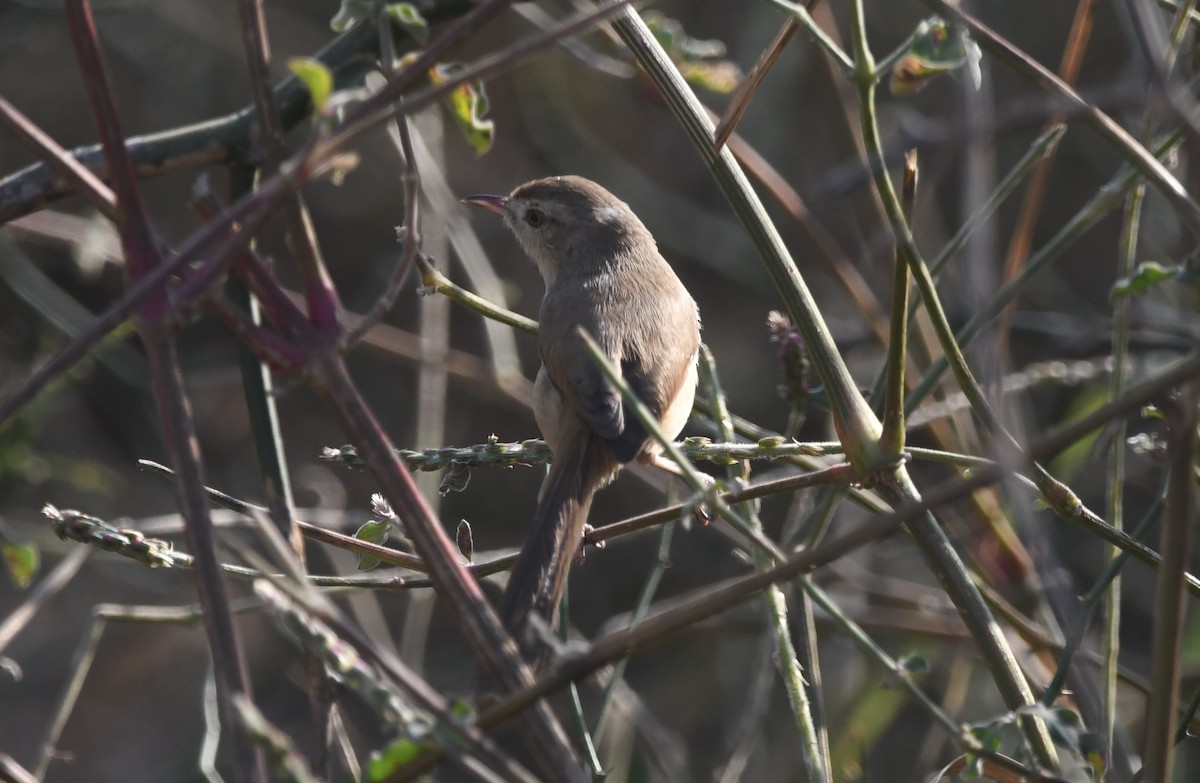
pixel 351 13
pixel 467 103
pixel 383 763
pixel 316 77
pixel 665 30
pixel 22 561
pixel 1147 274
pixel 936 48
pixel 915 664
pixel 462 709
pixel 408 17
pixel 989 736
pixel 373 532
pixel 700 61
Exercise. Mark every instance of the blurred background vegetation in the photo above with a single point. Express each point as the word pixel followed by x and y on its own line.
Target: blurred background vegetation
pixel 698 708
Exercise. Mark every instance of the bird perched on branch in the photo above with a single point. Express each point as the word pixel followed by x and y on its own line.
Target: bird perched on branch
pixel 605 276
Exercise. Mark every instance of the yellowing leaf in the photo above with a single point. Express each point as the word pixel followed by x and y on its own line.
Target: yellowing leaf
pixel 22 561
pixel 699 60
pixel 407 16
pixel 719 76
pixel 936 48
pixel 316 77
pixel 468 104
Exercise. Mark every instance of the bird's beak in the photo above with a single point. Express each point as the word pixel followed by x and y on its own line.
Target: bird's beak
pixel 497 204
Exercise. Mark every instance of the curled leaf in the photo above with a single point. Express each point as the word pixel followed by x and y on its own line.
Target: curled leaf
pixel 1147 274
pixel 408 17
pixel 316 77
pixel 455 479
pixel 373 532
pixel 465 541
pixel 936 48
pixel 468 104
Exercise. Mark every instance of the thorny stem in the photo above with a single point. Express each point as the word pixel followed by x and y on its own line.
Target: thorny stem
pixel 216 241
pixel 143 256
pixel 476 616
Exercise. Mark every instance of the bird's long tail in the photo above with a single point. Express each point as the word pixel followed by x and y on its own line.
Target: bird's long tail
pixel 536 584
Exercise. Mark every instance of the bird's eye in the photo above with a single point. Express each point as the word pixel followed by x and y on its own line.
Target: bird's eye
pixel 534 217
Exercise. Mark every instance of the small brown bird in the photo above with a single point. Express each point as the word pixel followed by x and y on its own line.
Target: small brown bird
pixel 603 272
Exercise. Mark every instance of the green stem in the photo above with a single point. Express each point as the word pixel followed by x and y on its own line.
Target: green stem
pixel 1101 589
pixel 1109 129
pixel 939 552
pixel 891 442
pixel 662 561
pixel 434 282
pixel 817 764
pixel 1108 198
pixel 801 14
pixel 857 426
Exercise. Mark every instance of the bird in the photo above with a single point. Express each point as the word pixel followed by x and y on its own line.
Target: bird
pixel 605 276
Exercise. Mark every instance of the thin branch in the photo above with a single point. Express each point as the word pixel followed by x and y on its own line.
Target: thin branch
pixel 857 426
pixel 57 158
pixel 257 382
pixel 213 141
pixel 1181 415
pixel 409 234
pixel 892 439
pixel 433 281
pixel 814 753
pixel 1133 152
pixel 943 560
pixel 142 256
pixel 1109 197
pixel 475 615
pixel 47 588
pixel 1031 205
pixel 745 91
pixel 216 242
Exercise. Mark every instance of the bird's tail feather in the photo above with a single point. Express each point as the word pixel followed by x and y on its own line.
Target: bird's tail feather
pixel 536 584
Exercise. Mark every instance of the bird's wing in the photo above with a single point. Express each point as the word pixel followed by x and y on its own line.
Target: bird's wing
pixel 585 390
